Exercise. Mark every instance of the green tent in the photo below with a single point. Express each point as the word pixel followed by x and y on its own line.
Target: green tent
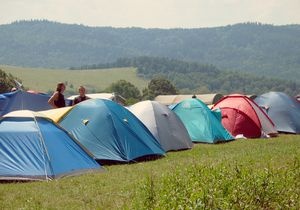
pixel 202 124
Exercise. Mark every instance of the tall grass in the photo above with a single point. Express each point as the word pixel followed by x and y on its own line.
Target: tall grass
pixel 243 174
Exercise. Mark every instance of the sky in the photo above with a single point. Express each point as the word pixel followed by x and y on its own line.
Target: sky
pixel 153 13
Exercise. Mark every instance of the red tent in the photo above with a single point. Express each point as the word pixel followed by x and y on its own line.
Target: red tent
pixel 242 116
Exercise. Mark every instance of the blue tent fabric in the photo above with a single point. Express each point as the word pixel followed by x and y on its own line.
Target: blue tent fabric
pixel 37 149
pixel 110 132
pixel 202 124
pixel 283 110
pixel 22 100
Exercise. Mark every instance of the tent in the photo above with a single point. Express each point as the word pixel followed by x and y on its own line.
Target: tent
pixel 164 124
pixel 56 114
pixel 32 147
pixel 284 111
pixel 174 99
pixel 110 132
pixel 202 124
pixel 22 100
pixel 241 116
pixel 110 96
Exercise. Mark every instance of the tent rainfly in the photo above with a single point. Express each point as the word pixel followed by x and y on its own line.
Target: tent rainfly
pixel 111 132
pixel 32 147
pixel 164 124
pixel 241 116
pixel 110 96
pixel 22 100
pixel 202 124
pixel 283 110
pixel 208 99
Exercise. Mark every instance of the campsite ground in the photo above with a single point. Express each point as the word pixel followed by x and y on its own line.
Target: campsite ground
pixel 251 174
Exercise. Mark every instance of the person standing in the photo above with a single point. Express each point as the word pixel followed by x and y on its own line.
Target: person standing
pixel 57 100
pixel 81 97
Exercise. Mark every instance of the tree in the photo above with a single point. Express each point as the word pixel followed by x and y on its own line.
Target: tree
pixel 126 89
pixel 7 81
pixel 159 86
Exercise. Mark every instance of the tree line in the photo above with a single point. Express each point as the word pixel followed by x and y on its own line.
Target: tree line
pixel 192 77
pixel 7 81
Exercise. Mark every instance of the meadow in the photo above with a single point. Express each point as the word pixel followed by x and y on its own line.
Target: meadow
pixel 96 80
pixel 242 174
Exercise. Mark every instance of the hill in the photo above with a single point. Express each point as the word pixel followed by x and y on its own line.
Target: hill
pixel 188 77
pixel 192 77
pixel 249 47
pixel 45 80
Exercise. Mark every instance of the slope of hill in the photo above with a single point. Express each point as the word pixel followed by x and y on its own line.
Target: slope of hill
pixel 45 80
pixel 188 77
pixel 250 47
pixel 192 77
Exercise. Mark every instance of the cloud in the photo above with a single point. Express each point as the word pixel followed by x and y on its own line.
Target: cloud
pixel 153 13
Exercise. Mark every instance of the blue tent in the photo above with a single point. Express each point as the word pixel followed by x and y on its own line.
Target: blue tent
pixel 22 100
pixel 203 125
pixel 110 132
pixel 34 148
pixel 283 110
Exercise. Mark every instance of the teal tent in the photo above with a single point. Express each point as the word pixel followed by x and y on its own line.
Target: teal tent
pixel 203 125
pixel 32 147
pixel 111 132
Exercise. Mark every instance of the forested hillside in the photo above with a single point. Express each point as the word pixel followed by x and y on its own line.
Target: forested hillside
pixel 192 77
pixel 250 47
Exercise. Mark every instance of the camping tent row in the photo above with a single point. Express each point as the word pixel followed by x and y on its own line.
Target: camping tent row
pixel 109 132
pixel 32 147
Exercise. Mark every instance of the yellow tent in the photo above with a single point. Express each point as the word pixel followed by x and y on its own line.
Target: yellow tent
pixel 56 114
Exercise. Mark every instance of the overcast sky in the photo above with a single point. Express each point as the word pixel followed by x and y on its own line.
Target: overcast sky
pixel 153 13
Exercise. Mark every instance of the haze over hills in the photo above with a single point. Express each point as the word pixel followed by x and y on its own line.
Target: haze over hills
pixel 250 47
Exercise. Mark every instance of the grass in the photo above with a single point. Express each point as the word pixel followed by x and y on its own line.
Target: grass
pixel 45 80
pixel 243 174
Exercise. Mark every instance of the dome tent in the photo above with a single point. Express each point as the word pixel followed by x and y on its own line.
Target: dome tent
pixel 32 147
pixel 164 124
pixel 283 110
pixel 22 100
pixel 242 116
pixel 202 124
pixel 110 132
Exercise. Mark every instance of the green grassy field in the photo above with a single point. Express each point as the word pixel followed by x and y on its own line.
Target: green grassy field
pixel 243 174
pixel 45 80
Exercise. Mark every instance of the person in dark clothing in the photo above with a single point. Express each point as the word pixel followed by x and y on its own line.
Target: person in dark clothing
pixel 57 100
pixel 81 97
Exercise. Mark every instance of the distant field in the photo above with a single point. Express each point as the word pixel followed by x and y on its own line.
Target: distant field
pixel 243 174
pixel 45 80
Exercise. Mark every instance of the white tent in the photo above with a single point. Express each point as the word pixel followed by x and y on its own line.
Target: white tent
pixel 164 124
pixel 208 99
pixel 110 96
